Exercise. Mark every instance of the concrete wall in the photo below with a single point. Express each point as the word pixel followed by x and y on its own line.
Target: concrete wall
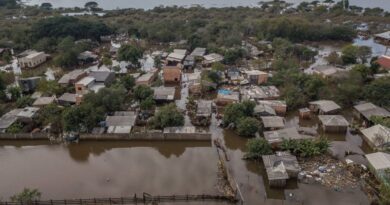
pixel 24 136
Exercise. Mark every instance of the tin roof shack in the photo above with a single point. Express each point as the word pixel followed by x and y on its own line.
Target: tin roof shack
pixel 28 85
pixel 171 75
pixel 203 114
pixel 280 167
pixel 377 137
pixel 212 58
pixel 334 123
pixel 279 106
pixel 189 62
pixel 384 62
pixel 379 164
pixel 366 110
pixel 198 52
pixel 122 123
pixel 263 110
pixel 275 138
pixel 87 57
pixel 103 77
pixel 259 93
pixel 84 85
pixel 31 58
pixel 272 122
pixel 383 38
pixel 256 77
pixel 147 78
pixel 72 77
pixel 328 71
pixel 324 107
pixel 225 97
pixel 43 101
pixel 185 133
pixel 67 99
pixel 164 94
pixel 234 76
pixel 176 57
pixel 24 115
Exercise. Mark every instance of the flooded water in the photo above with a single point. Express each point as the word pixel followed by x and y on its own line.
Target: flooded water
pixel 148 4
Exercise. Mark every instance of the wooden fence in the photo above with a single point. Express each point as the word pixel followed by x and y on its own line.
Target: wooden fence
pixel 144 199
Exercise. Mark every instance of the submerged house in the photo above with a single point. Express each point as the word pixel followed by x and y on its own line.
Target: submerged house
pixel 24 115
pixel 379 163
pixel 279 106
pixel 121 123
pixel 334 123
pixel 275 138
pixel 280 167
pixel 204 111
pixel 72 77
pixel 324 107
pixel 367 110
pixel 256 77
pixel 328 71
pixel 377 137
pixel 198 52
pixel 272 122
pixel 263 110
pixel 171 75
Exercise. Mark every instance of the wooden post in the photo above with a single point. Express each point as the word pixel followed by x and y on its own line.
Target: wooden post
pixel 109 199
pixel 51 202
pixel 121 200
pixel 65 201
pixel 94 200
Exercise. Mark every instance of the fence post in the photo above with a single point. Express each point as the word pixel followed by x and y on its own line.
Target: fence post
pixel 94 200
pixel 121 200
pixel 135 198
pixel 51 202
pixel 109 199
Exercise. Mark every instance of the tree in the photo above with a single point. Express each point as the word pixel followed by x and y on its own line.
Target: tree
pixel 306 147
pixel 16 127
pixel 378 92
pixel 349 54
pixel 141 92
pixel 130 53
pixel 380 120
pixel 231 56
pixel 46 6
pixel 51 114
pixel 15 92
pixel 248 107
pixel 334 59
pixel 364 52
pixel 107 61
pixel 218 66
pixel 148 103
pixel 214 76
pixel 233 113
pixel 108 99
pixel 168 116
pixel 50 87
pixel 248 126
pixel 27 196
pixel 81 118
pixel 91 5
pixel 128 82
pixel 24 101
pixel 257 147
pixel 349 89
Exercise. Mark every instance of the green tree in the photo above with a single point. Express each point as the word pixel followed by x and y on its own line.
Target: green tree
pixel 91 5
pixel 128 82
pixel 334 59
pixel 233 55
pixel 148 103
pixel 233 113
pixel 381 120
pixel 15 92
pixel 350 54
pixel 349 89
pixel 378 92
pixel 27 196
pixel 51 114
pixel 108 99
pixel 24 101
pixel 257 147
pixel 248 126
pixel 66 59
pixel 107 61
pixel 218 66
pixel 46 6
pixel 81 118
pixel 364 52
pixel 141 92
pixel 130 53
pixel 168 116
pixel 50 87
pixel 16 127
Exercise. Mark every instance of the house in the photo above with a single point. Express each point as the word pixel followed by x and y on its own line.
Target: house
pixel 147 78
pixel 68 99
pixel 84 85
pixel 164 94
pixel 72 77
pixel 103 77
pixel 379 163
pixel 384 62
pixel 43 101
pixel 263 110
pixel 87 57
pixel 304 113
pixel 225 97
pixel 121 124
pixel 327 71
pixel 275 138
pixel 383 38
pixel 174 59
pixel 334 123
pixel 234 75
pixel 377 136
pixel 189 62
pixel 259 93
pixel 212 58
pixel 256 77
pixel 25 115
pixel 204 111
pixel 324 107
pixel 198 52
pixel 279 106
pixel 280 167
pixel 194 77
pixel 272 122
pixel 31 58
pixel 367 110
pixel 185 133
pixel 28 85
pixel 171 75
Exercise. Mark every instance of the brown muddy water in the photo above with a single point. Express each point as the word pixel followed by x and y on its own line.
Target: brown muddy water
pixel 113 169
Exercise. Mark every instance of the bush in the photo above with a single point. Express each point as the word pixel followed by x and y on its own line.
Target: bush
pixel 24 101
pixel 147 104
pixel 306 147
pixel 257 147
pixel 234 112
pixel 248 126
pixel 27 196
pixel 168 116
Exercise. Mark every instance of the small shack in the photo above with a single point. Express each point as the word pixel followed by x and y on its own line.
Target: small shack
pixel 377 137
pixel 263 110
pixel 164 94
pixel 324 107
pixel 203 112
pixel 279 106
pixel 366 110
pixel 226 97
pixel 275 138
pixel 122 123
pixel 43 101
pixel 304 113
pixel 147 78
pixel 272 122
pixel 72 77
pixel 172 75
pixel 256 77
pixel 379 164
pixel 334 123
pixel 280 167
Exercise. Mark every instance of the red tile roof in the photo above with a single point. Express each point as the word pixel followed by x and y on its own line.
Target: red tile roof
pixel 384 62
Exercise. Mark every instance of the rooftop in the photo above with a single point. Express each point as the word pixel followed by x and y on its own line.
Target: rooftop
pixel 384 61
pixel 384 35
pixel 280 164
pixel 273 121
pixel 73 75
pixel 378 135
pixel 101 76
pixel 333 120
pixel 213 57
pixel 379 160
pixel 326 105
pixel 164 93
pixel 44 101
pixel 128 120
pixel 198 52
pixel 86 81
pixel 68 97
pixel 277 136
pixel 369 109
pixel 204 108
pixel 259 93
